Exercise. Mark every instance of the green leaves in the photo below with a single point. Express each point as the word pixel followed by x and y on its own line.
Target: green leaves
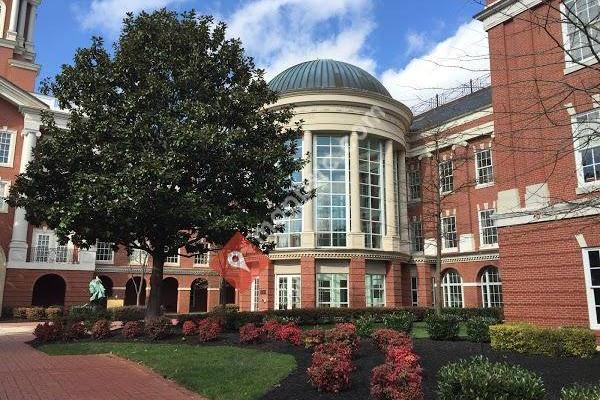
pixel 170 139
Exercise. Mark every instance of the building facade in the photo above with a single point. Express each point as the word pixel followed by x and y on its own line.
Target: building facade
pixel 516 183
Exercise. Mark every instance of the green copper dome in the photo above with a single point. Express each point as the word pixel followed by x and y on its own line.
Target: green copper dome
pixel 326 74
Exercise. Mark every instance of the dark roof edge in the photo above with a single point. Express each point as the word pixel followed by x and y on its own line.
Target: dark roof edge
pixel 493 8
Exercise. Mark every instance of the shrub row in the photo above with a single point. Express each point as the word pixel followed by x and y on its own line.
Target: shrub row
pixel 530 339
pixel 580 392
pixel 36 313
pixel 401 376
pixel 480 379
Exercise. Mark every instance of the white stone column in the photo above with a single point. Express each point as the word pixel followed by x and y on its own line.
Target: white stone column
pixel 307 238
pixel 356 237
pixel 31 28
pixel 17 249
pixel 390 240
pixel 21 24
pixel 11 34
pixel 2 277
pixel 403 199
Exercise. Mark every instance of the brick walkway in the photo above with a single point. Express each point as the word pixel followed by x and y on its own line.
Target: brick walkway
pixel 28 374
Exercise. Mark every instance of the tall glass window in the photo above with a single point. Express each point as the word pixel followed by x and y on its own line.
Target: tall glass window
pixel 332 290
pixel 414 291
pixel 292 224
pixel 414 184
pixel 491 287
pixel 446 176
pixel 483 167
pixel 255 295
pixel 416 235
pixel 449 236
pixel 582 36
pixel 452 289
pixel 5 143
pixel 587 146
pixel 288 292
pixel 371 205
pixel 487 227
pixel 104 251
pixel 331 172
pixel 375 290
pixel 591 263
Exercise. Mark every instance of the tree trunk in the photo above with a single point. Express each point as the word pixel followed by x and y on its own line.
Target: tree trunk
pixel 156 277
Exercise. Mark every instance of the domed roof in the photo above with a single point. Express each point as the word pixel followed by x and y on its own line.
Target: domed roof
pixel 326 74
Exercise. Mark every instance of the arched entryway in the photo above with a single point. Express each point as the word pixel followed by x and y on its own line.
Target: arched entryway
pixel 49 290
pixel 199 295
pixel 169 295
pixel 108 285
pixel 227 293
pixel 131 294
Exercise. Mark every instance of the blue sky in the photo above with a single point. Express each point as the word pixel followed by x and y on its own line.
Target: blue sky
pixel 415 47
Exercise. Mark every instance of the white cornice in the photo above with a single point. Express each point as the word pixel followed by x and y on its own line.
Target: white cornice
pixel 459 138
pixel 448 125
pixel 556 212
pixel 167 270
pixel 344 254
pixel 19 97
pixel 458 259
pixel 25 65
pixel 503 10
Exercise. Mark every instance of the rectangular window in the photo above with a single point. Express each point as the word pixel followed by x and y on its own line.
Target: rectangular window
pixel 581 29
pixel 139 257
pixel 288 292
pixel 104 252
pixel 449 237
pixel 484 168
pixel 375 290
pixel 488 233
pixel 201 259
pixel 370 160
pixel 416 235
pixel 255 295
pixel 332 290
pixel 587 146
pixel 591 262
pixel 172 259
pixel 414 184
pixel 42 248
pixel 5 148
pixel 331 172
pixel 3 195
pixel 414 291
pixel 446 176
pixel 292 223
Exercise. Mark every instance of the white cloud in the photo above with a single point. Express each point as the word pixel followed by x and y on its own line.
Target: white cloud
pixel 281 33
pixel 447 65
pixel 107 15
pixel 415 42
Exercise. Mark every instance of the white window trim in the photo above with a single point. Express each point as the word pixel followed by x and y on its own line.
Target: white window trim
pixel 278 235
pixel 4 208
pixel 289 278
pixel 349 288
pixel 594 324
pixel 449 249
pixel 174 264
pixel 414 290
pixel 483 246
pixel 487 184
pixel 409 183
pixel 195 264
pixel 451 162
pixel 255 294
pixel 11 148
pixel 570 65
pixel 582 186
pixel 384 304
pixel 486 299
pixel 446 291
pixel 52 244
pixel 112 257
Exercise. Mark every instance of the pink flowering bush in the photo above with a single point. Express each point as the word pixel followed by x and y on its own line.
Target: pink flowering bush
pixel 189 328
pixel 101 329
pixel 389 337
pixel 331 367
pixel 75 331
pixel 133 329
pixel 48 331
pixel 403 356
pixel 270 328
pixel 290 333
pixel 396 382
pixel 250 333
pixel 344 333
pixel 313 337
pixel 208 330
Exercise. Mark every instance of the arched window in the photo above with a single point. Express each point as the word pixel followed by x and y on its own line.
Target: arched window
pixel 491 287
pixel 452 289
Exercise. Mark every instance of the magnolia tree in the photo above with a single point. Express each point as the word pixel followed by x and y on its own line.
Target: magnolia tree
pixel 170 144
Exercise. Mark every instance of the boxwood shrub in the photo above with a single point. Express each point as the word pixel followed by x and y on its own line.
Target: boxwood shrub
pixel 580 392
pixel 128 313
pixel 552 342
pixel 478 329
pixel 442 327
pixel 400 321
pixel 480 379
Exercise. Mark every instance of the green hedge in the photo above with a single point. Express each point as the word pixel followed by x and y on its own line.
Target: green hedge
pixel 580 392
pixel 35 313
pixel 480 379
pixel 478 329
pixel 530 339
pixel 442 327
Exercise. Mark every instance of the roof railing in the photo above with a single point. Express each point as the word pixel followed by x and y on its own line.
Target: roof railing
pixel 449 95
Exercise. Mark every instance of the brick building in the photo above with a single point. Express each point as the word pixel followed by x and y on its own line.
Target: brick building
pixel 513 232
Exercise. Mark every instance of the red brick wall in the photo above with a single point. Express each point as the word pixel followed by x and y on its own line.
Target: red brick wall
pixel 393 284
pixel 357 282
pixel 542 271
pixel 308 282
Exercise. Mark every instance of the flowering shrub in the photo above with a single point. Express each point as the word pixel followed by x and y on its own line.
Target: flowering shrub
pixel 335 349
pixel 133 329
pixel 313 337
pixel 271 327
pixel 208 330
pixel 330 372
pixel 290 333
pixel 75 331
pixel 35 313
pixel 389 337
pixel 53 313
pixel 101 329
pixel 250 333
pixel 158 328
pixel 189 328
pixel 344 333
pixel 48 331
pixel 402 356
pixel 390 381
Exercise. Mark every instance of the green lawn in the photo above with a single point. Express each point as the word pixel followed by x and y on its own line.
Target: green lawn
pixel 216 372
